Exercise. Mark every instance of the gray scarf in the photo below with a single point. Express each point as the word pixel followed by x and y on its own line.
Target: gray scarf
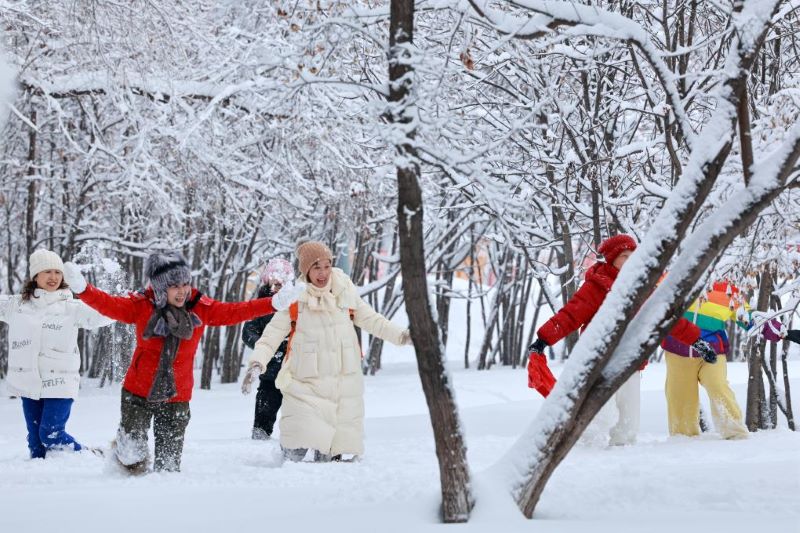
pixel 174 324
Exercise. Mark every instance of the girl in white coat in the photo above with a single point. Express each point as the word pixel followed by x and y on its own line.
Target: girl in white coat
pixel 323 400
pixel 43 357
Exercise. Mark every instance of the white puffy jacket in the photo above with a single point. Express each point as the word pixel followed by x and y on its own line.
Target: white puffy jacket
pixel 43 357
pixel 323 405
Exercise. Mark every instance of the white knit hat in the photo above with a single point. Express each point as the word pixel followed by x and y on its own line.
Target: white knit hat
pixel 45 260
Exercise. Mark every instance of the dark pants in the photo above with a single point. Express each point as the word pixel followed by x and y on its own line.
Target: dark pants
pixel 46 420
pixel 169 427
pixel 268 400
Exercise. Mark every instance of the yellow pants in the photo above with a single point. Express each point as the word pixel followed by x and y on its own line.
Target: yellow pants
pixel 683 397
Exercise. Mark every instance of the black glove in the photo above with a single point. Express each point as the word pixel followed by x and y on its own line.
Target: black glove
pixel 793 335
pixel 705 350
pixel 538 346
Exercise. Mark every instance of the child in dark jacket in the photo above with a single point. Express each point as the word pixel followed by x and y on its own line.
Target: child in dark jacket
pixel 578 312
pixel 276 273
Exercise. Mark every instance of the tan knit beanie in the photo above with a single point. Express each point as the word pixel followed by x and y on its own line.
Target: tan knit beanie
pixel 309 253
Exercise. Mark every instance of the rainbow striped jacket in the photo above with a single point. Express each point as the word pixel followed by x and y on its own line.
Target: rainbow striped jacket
pixel 711 313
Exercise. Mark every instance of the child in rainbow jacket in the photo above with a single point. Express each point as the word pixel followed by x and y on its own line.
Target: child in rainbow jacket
pixel 686 369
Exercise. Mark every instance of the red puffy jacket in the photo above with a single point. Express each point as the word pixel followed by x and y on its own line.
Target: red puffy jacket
pixel 137 308
pixel 581 308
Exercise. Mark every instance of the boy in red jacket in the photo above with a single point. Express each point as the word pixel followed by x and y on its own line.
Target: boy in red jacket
pixel 578 312
pixel 170 317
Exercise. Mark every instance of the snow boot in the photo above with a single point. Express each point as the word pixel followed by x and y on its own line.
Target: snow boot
pixel 348 459
pixel 260 434
pixel 135 469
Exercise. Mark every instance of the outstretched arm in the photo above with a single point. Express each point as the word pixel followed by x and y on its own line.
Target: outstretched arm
pixel 578 311
pixel 121 308
pixel 214 313
pixel 227 314
pixel 376 324
pixel 88 318
pixel 771 329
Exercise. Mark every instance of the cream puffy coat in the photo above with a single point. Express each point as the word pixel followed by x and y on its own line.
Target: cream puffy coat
pixel 43 357
pixel 323 404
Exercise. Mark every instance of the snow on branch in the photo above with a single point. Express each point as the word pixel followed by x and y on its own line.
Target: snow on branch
pixel 590 20
pixel 543 445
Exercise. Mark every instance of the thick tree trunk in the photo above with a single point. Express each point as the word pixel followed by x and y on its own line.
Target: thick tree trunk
pixel 756 397
pixel 470 283
pixel 786 386
pixel 566 260
pixel 489 330
pixel 30 213
pixel 4 349
pixel 773 393
pixel 450 448
pixel 494 316
pixel 210 354
pixel 526 282
pixel 745 141
pixel 232 355
pixel 443 299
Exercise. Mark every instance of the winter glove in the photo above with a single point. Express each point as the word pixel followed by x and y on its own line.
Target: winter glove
pixel 254 369
pixel 793 335
pixel 538 346
pixel 74 278
pixel 287 296
pixel 405 338
pixel 705 350
pixel 539 375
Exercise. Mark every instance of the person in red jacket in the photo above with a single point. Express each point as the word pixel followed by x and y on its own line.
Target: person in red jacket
pixel 170 317
pixel 578 312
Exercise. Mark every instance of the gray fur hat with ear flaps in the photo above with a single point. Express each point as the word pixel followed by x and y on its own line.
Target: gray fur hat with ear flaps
pixel 167 269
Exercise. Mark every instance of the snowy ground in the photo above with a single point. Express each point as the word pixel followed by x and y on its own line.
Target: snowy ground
pixel 231 483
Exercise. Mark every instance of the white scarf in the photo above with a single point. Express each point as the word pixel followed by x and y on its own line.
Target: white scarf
pixel 43 298
pixel 321 298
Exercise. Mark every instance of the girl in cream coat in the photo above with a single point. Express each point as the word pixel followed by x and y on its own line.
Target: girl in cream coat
pixel 323 399
pixel 43 357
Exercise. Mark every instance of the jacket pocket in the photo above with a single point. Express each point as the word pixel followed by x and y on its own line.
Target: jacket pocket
pixel 351 359
pixel 304 362
pixel 55 362
pixel 136 359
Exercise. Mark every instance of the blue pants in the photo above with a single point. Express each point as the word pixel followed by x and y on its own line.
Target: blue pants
pixel 46 420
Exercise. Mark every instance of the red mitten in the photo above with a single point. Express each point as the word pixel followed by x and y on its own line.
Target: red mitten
pixel 643 365
pixel 539 375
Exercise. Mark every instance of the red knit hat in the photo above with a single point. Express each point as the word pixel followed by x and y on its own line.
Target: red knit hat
pixel 613 246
